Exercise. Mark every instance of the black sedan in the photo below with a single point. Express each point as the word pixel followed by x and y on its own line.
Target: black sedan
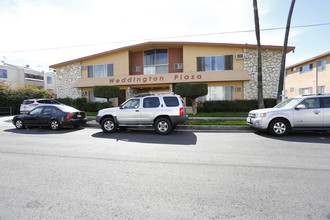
pixel 54 117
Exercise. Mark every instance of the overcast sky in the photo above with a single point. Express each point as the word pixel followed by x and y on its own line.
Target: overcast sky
pixel 45 32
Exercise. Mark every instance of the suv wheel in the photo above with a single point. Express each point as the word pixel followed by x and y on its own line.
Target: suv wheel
pixel 279 127
pixel 163 126
pixel 108 125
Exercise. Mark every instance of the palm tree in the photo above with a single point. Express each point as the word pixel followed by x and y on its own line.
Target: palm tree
pixel 257 28
pixel 281 80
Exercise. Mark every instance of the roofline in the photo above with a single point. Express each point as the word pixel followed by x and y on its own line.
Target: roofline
pixel 150 43
pixel 309 60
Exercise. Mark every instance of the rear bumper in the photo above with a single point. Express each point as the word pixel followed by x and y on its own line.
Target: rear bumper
pixel 73 122
pixel 178 119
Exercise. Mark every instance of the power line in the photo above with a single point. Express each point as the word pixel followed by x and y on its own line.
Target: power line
pixel 169 37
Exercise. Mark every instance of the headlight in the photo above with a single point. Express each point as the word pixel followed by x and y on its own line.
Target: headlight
pixel 263 115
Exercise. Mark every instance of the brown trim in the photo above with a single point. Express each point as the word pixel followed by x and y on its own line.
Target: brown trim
pixel 309 60
pixel 157 44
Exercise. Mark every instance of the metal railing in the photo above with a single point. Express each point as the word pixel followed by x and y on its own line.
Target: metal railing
pixel 6 111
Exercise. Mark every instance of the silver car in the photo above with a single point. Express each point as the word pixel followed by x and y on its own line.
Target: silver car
pixel 301 113
pixel 30 104
pixel 163 112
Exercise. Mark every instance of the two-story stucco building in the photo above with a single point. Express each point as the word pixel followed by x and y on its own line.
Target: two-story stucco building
pixel 304 77
pixel 230 70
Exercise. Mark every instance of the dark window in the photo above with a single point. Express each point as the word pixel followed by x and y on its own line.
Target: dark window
pixel 326 102
pixel 151 102
pixel 311 103
pixel 104 70
pixel 215 63
pixel 49 110
pixel 36 111
pixel 3 73
pixel 27 102
pixel 171 101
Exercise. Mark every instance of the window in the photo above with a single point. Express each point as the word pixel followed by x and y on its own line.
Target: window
pixel 136 69
pixel 321 64
pixel 215 63
pixel 293 69
pixel 104 70
pixel 36 111
pixel 292 89
pixel 155 61
pixel 3 73
pixel 325 102
pixel 311 103
pixel 306 68
pixel 171 101
pixel 305 91
pixel 49 110
pixel 131 103
pixel 218 93
pixel 321 89
pixel 151 102
pixel 31 76
pixel 49 80
pixel 178 66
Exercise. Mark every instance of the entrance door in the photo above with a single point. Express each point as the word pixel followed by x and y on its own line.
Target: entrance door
pixel 122 96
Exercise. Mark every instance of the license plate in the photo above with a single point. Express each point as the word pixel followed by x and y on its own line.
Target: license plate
pixel 79 116
pixel 249 120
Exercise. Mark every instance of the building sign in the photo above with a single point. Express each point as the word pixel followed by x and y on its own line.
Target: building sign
pixel 212 76
pixel 154 79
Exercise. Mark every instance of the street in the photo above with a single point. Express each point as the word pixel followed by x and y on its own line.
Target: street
pixel 138 174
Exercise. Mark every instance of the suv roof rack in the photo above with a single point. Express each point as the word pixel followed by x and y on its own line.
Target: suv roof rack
pixel 150 94
pixel 316 94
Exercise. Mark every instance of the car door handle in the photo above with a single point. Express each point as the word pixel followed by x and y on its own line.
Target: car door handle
pixel 316 112
pixel 136 110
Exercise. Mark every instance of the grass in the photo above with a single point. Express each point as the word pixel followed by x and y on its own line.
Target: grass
pixel 215 122
pixel 220 114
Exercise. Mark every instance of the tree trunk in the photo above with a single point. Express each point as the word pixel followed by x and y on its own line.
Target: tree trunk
pixel 281 80
pixel 257 27
pixel 193 105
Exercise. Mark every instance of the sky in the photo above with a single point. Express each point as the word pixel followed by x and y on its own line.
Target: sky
pixel 40 33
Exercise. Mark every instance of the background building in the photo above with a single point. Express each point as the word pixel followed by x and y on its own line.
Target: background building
pixel 301 78
pixel 17 76
pixel 230 70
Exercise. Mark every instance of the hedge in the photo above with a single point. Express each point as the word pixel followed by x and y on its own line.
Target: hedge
pixel 233 105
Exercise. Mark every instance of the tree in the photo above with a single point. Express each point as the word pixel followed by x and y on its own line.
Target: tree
pixel 286 37
pixel 107 92
pixel 192 91
pixel 257 28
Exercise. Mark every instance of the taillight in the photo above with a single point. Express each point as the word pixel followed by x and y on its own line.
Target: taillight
pixel 85 115
pixel 69 116
pixel 181 111
pixel 33 104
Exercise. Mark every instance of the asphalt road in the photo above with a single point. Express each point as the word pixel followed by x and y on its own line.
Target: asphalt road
pixel 86 174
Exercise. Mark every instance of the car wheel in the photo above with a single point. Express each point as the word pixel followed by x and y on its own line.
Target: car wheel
pixel 108 125
pixel 163 126
pixel 54 125
pixel 279 127
pixel 19 124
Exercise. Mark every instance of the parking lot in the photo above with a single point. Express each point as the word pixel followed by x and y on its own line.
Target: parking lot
pixel 138 174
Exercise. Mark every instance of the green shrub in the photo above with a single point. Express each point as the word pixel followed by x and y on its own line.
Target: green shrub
pixel 233 105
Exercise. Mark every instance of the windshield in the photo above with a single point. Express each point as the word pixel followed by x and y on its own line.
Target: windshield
pixel 289 103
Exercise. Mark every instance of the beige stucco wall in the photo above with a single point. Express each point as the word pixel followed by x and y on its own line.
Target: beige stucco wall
pixel 191 52
pixel 119 59
pixel 296 80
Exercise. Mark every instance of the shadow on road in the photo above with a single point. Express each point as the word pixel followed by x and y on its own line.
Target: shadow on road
pixel 42 131
pixel 301 136
pixel 150 137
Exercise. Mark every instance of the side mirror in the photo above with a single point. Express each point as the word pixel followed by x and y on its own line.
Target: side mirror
pixel 301 106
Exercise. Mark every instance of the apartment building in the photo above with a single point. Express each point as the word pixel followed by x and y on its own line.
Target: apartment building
pixel 17 76
pixel 310 76
pixel 230 70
